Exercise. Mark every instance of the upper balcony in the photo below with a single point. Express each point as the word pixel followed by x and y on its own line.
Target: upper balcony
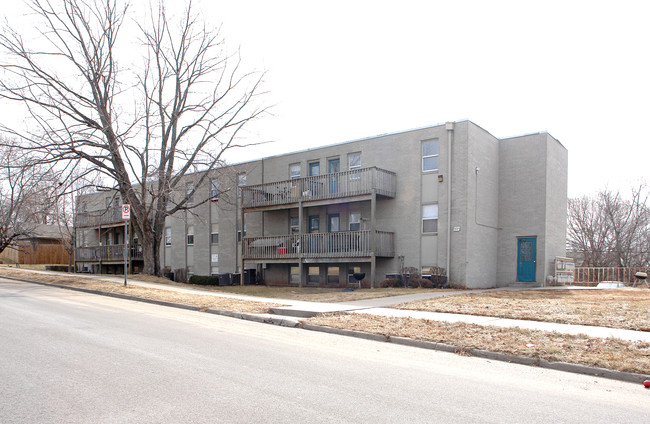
pixel 110 216
pixel 328 188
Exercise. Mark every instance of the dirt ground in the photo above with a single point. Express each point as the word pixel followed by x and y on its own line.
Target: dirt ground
pixel 609 353
pixel 627 308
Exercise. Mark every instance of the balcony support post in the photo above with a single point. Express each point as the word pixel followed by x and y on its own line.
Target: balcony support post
pixel 300 247
pixel 373 236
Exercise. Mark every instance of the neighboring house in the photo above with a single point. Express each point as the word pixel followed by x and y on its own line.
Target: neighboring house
pixel 45 245
pixel 491 211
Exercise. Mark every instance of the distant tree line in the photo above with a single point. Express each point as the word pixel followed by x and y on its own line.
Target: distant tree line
pixel 609 229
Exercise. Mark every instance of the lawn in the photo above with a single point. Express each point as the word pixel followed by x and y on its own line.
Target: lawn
pixel 627 308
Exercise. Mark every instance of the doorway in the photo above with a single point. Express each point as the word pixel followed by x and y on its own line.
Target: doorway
pixel 526 258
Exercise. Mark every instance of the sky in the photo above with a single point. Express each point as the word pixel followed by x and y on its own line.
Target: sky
pixel 342 70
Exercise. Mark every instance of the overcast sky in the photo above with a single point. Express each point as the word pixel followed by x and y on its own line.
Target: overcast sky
pixel 342 70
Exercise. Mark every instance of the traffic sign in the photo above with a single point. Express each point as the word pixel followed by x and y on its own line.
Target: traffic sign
pixel 126 211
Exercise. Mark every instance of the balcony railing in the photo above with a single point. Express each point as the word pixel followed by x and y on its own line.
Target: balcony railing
pixel 97 218
pixel 114 252
pixel 329 186
pixel 344 244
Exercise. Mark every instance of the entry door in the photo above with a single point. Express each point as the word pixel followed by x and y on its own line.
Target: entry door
pixel 334 167
pixel 526 258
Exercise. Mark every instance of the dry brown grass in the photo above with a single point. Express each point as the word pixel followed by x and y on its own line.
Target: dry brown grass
pixel 610 353
pixel 200 301
pixel 627 308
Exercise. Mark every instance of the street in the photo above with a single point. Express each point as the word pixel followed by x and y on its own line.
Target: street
pixel 72 357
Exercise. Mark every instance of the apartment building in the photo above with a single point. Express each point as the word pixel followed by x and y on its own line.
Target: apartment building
pixel 492 212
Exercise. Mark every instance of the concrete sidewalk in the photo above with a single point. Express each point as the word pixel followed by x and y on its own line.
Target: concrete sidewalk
pixel 381 307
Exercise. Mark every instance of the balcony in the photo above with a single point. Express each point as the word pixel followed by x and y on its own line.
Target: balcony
pixel 112 253
pixel 108 216
pixel 339 185
pixel 344 244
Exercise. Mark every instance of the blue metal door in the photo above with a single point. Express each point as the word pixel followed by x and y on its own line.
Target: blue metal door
pixel 526 258
pixel 334 167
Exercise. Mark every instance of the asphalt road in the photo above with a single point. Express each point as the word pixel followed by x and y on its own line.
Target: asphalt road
pixel 70 357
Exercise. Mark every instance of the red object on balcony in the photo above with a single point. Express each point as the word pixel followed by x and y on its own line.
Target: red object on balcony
pixel 282 250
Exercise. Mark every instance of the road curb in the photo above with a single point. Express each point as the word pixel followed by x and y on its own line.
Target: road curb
pixel 628 377
pixel 423 344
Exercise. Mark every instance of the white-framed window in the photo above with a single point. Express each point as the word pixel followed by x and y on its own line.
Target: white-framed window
pixel 190 271
pixel 189 192
pixel 294 226
pixel 294 171
pixel 355 221
pixel 430 155
pixel 190 235
pixel 214 270
pixel 241 181
pixel 168 236
pixel 354 162
pixel 214 190
pixel 430 218
pixel 351 271
pixel 214 234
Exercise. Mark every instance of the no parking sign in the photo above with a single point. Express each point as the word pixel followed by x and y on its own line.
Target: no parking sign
pixel 126 211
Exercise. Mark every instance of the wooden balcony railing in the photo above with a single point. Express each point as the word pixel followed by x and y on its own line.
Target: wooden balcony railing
pixel 114 252
pixel 329 186
pixel 97 218
pixel 344 244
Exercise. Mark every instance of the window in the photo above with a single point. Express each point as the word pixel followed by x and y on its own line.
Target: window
pixel 239 231
pixel 84 207
pixel 168 236
pixel 313 276
pixel 190 271
pixel 294 274
pixel 430 218
pixel 294 171
pixel 241 181
pixel 351 271
pixel 334 224
pixel 294 227
pixel 214 234
pixel 214 270
pixel 430 155
pixel 314 224
pixel 314 169
pixel 190 235
pixel 189 192
pixel 355 221
pixel 332 275
pixel 354 162
pixel 135 240
pixel 214 190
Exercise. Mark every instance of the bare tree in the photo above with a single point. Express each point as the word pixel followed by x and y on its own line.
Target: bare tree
pixel 143 126
pixel 609 230
pixel 27 193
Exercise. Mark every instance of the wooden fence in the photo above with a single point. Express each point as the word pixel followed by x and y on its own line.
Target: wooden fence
pixel 595 275
pixel 37 254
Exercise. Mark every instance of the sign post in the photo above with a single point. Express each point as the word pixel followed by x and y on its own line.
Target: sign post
pixel 126 215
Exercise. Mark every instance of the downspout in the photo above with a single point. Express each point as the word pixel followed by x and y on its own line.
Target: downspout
pixel 449 126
